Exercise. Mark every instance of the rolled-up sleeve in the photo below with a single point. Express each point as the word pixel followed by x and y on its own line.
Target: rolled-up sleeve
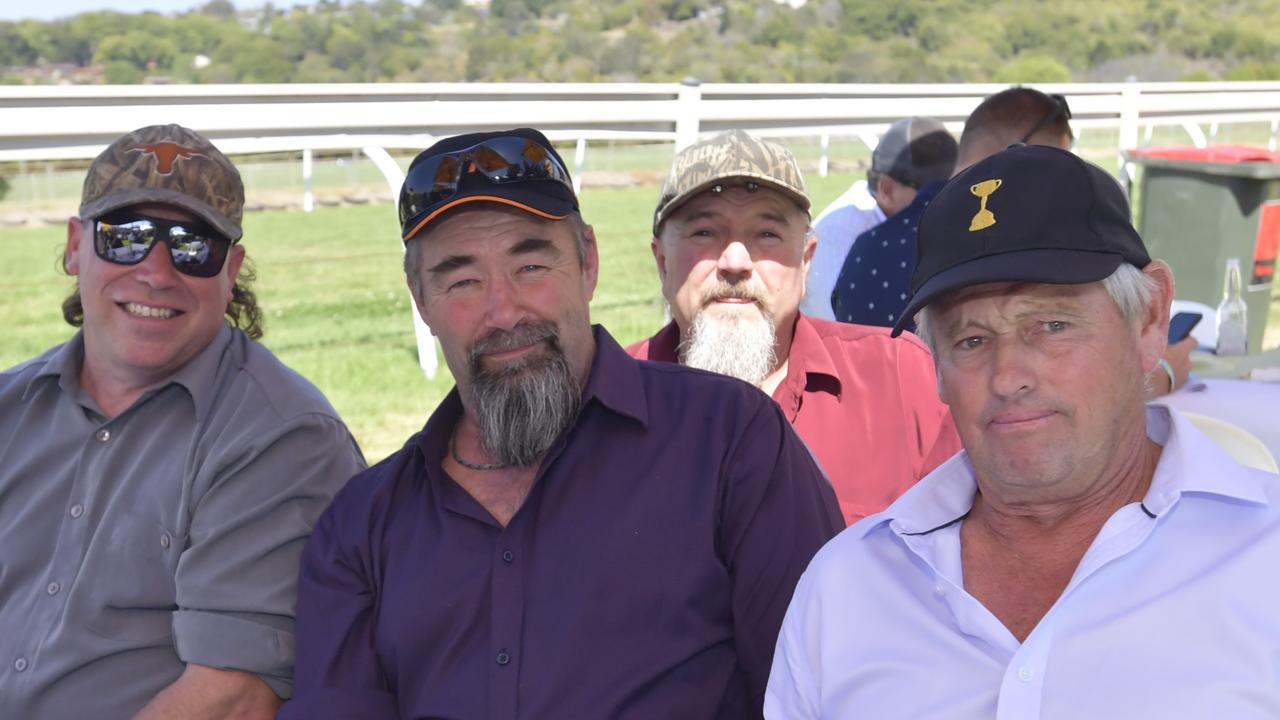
pixel 338 671
pixel 779 510
pixel 236 579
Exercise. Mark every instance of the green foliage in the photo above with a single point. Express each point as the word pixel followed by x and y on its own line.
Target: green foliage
pixel 663 40
pixel 1032 68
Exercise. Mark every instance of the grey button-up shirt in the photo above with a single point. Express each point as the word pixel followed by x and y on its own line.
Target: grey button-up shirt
pixel 169 534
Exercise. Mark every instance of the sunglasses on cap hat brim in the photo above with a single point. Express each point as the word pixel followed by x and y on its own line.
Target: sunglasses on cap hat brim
pixel 437 183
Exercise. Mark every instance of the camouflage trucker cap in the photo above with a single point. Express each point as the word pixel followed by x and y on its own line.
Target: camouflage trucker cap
pixel 731 154
pixel 166 164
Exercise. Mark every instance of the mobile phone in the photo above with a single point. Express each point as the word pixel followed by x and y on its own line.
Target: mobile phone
pixel 1181 325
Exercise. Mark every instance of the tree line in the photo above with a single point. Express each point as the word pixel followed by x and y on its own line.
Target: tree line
pixel 823 41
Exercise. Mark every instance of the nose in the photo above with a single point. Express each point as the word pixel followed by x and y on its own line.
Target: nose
pixel 502 304
pixel 156 270
pixel 734 264
pixel 1014 371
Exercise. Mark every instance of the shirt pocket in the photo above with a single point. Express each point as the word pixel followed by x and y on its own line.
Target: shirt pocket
pixel 133 593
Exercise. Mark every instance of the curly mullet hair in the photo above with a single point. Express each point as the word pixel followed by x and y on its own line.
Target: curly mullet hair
pixel 242 311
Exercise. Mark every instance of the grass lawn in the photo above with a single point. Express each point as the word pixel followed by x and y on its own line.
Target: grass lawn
pixel 337 309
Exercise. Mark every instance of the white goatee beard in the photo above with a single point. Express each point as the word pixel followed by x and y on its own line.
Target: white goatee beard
pixel 737 344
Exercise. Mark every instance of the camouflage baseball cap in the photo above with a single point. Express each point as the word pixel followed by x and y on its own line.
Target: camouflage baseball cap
pixel 166 164
pixel 731 154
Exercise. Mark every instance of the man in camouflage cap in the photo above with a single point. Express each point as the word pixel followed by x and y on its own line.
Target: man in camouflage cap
pixel 160 470
pixel 732 242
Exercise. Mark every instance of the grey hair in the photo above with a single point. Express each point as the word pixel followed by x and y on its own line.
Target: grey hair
pixel 413 250
pixel 1129 287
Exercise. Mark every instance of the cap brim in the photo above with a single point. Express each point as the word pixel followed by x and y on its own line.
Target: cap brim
pixel 535 203
pixel 1053 266
pixel 662 215
pixel 138 196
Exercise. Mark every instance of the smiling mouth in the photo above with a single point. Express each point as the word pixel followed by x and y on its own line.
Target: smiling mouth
pixel 148 311
pixel 1027 421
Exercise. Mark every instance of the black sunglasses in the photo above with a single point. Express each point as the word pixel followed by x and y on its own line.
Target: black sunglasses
pixel 126 238
pixel 434 181
pixel 1060 110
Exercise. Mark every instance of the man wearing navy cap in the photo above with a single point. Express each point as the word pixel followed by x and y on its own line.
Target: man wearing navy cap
pixel 1086 555
pixel 574 534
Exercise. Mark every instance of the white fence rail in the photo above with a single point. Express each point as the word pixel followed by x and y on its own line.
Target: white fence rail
pixel 76 122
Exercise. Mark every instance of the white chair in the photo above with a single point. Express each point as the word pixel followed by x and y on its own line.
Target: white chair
pixel 1239 443
pixel 1205 333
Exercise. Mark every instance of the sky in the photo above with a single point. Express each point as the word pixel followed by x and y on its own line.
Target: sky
pixel 52 9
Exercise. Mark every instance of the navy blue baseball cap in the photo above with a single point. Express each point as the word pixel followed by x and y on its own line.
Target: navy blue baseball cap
pixel 519 168
pixel 1031 213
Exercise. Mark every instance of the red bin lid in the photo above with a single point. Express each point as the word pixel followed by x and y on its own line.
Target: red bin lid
pixel 1211 154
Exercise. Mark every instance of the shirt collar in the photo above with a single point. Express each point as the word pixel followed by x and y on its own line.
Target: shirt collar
pixel 64 364
pixel 1193 463
pixel 615 379
pixel 1190 462
pixel 198 376
pixel 665 346
pixel 809 356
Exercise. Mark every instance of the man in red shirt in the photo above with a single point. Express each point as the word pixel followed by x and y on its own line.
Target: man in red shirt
pixel 732 242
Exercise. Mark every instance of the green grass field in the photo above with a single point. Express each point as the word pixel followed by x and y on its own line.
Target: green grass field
pixel 336 304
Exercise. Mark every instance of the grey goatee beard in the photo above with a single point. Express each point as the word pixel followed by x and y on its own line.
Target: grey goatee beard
pixel 522 407
pixel 737 344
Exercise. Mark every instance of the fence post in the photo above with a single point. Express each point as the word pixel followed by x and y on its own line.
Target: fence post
pixel 426 342
pixel 579 156
pixel 308 197
pixel 1128 128
pixel 687 115
pixel 823 162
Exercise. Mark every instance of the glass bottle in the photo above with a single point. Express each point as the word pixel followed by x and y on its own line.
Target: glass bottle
pixel 1232 324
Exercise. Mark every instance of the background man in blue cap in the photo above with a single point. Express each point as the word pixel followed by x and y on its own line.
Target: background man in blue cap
pixel 1086 555
pixel 574 534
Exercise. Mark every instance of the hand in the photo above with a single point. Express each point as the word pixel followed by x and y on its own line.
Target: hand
pixel 1178 356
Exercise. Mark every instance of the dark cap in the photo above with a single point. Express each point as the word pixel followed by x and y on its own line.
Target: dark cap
pixel 1031 213
pixel 166 164
pixel 549 197
pixel 916 151
pixel 733 154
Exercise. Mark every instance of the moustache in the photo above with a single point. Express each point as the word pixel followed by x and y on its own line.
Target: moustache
pixel 726 291
pixel 520 336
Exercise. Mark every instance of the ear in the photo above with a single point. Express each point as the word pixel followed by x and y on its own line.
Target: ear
pixel 71 254
pixel 810 247
pixel 1153 332
pixel 592 267
pixel 234 260
pixel 659 258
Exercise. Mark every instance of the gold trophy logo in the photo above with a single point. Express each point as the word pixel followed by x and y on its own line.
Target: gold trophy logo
pixel 983 190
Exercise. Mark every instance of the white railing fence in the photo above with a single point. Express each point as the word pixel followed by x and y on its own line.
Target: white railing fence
pixel 76 122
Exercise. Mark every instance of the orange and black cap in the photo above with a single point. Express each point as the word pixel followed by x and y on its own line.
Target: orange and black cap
pixel 446 175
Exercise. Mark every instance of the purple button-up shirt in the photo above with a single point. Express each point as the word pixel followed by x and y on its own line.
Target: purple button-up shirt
pixel 645 576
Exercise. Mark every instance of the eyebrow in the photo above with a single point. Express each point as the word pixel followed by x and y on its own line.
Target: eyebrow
pixel 451 263
pixel 533 245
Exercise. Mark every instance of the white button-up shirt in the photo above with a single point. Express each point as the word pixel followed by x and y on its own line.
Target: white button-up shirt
pixel 1174 611
pixel 852 214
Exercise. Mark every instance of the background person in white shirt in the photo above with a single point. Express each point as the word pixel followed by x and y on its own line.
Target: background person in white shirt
pixel 1085 556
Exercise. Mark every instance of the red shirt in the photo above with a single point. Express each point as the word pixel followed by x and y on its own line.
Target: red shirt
pixel 866 404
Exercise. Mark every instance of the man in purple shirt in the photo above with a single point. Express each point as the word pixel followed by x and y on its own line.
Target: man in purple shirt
pixel 574 534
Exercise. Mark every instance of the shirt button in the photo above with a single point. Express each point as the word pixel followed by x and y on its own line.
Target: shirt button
pixel 20 664
pixel 165 540
pixel 53 588
pixel 77 510
pixel 1025 673
pixel 103 435
pixel 503 658
pixel 508 556
pixel 939 589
